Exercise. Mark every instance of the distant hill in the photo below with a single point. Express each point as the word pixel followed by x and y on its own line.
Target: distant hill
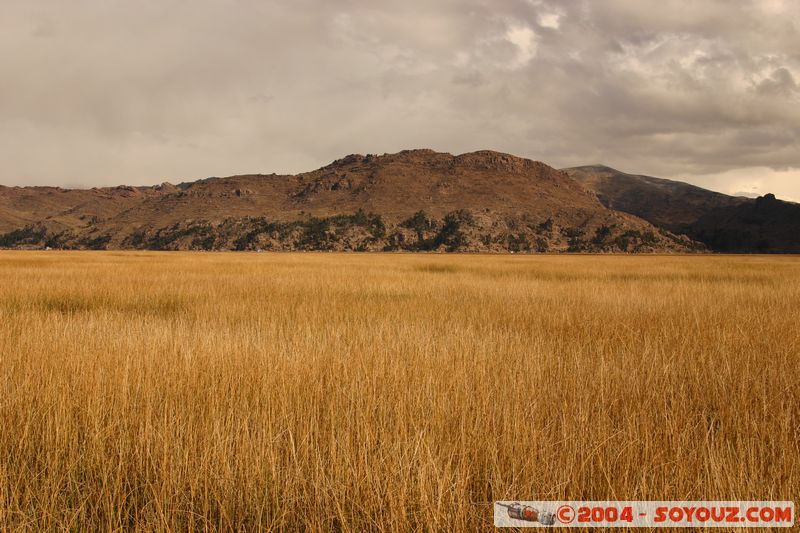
pixel 415 200
pixel 723 223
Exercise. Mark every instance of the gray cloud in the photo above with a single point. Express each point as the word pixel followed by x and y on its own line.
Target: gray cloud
pixel 111 91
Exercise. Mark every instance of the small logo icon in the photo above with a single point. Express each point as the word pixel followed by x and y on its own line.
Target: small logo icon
pixel 527 513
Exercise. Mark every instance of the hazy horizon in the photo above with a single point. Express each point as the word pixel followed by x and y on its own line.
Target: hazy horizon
pixel 103 93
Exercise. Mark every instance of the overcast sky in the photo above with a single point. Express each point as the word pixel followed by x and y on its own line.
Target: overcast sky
pixel 102 92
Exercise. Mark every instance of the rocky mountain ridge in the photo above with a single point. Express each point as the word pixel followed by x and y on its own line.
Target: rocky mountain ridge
pixel 415 200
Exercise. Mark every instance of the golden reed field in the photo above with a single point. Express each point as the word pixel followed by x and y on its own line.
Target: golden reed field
pixel 387 392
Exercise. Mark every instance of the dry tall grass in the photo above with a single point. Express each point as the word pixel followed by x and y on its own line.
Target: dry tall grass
pixel 387 392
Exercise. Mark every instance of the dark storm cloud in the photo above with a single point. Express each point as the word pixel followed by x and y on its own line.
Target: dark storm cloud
pixel 109 91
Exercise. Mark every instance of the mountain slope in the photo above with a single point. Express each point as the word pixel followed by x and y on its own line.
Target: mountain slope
pixel 667 203
pixel 412 200
pixel 721 222
pixel 59 208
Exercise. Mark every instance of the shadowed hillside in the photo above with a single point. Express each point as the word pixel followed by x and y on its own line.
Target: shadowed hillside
pixel 723 223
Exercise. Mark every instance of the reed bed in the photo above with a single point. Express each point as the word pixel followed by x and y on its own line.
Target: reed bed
pixel 387 392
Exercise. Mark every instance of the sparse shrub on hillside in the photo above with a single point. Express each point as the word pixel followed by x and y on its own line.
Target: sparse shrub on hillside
pixel 372 222
pixel 574 239
pixel 395 241
pixel 420 223
pixel 601 234
pixel 360 218
pixel 244 241
pixel 573 233
pixel 163 237
pixel 635 239
pixel 203 242
pixel 57 241
pixel 423 226
pixel 95 243
pixel 338 225
pixel 169 238
pixel 546 226
pixel 28 235
pixel 519 243
pixel 257 227
pixel 377 227
pixel 679 240
pixel 137 239
pixel 451 236
pixel 205 238
pixel 315 234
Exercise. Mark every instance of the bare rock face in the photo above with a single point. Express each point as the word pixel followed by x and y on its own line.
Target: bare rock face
pixel 126 191
pixel 497 162
pixel 165 187
pixel 415 200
